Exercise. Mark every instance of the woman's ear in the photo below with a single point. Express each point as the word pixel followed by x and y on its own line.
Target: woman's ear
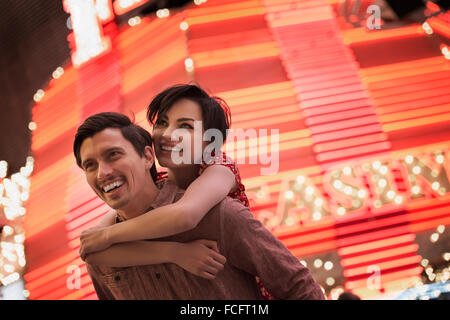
pixel 149 156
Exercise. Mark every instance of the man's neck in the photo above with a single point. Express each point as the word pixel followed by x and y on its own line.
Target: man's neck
pixel 141 203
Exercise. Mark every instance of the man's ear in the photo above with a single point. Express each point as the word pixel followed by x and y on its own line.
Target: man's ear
pixel 149 156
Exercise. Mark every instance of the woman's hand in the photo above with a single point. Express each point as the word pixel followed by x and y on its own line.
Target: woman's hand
pixel 199 257
pixel 93 240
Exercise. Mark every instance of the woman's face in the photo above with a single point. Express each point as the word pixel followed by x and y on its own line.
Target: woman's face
pixel 176 136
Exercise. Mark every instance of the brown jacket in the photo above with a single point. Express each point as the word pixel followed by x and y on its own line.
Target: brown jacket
pixel 251 250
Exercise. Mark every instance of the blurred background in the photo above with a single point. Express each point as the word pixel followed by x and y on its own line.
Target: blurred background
pixel 359 91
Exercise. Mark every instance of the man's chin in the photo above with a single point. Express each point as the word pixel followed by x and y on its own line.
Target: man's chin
pixel 115 204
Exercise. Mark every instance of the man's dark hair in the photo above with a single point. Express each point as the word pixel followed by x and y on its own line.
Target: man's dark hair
pixel 138 136
pixel 216 113
pixel 348 296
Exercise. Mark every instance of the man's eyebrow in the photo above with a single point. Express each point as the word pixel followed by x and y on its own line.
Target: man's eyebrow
pixel 111 149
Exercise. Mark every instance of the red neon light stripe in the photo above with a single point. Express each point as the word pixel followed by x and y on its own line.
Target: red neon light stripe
pixel 384 266
pixel 344 153
pixel 347 251
pixel 385 254
pixel 372 236
pixel 346 143
pixel 388 277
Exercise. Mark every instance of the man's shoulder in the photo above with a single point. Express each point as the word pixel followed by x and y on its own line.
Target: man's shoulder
pixel 233 209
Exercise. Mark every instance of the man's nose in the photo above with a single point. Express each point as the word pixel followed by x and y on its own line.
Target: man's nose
pixel 104 170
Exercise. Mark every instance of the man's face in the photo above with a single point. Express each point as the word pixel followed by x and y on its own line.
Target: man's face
pixel 113 168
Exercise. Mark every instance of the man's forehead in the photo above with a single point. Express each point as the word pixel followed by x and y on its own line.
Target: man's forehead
pixel 104 140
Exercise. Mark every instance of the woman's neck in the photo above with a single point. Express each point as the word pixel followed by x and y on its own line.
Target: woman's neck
pixel 184 176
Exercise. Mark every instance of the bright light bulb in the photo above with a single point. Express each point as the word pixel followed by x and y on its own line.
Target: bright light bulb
pixel 330 281
pixel 318 202
pixel 383 170
pixel 382 183
pixel 347 171
pixel 362 194
pixel 337 184
pixel 8 230
pixel 348 190
pixel 409 159
pixel 317 216
pixel 184 26
pixel 318 263
pixel 391 194
pixel 32 125
pixel 328 265
pixel 440 159
pixel 434 237
pixel 440 229
pixel 424 262
pixel 300 179
pixel 415 189
pixel 8 268
pixel 310 190
pixel 189 64
pixel 416 170
pixel 376 165
pixel 341 211
pixel 435 185
pixel 289 195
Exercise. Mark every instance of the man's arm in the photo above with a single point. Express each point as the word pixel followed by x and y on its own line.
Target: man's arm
pixel 249 246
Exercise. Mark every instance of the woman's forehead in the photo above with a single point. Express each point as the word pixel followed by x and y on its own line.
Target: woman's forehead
pixel 183 108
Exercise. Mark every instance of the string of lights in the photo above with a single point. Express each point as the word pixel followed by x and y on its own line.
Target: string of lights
pixel 435 12
pixel 14 193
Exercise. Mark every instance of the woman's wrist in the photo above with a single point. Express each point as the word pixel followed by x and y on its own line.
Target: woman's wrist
pixel 111 234
pixel 174 252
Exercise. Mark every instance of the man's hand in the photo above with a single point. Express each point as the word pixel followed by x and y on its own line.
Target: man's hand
pixel 92 240
pixel 200 257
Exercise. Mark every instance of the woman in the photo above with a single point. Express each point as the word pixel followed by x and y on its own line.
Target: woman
pixel 175 113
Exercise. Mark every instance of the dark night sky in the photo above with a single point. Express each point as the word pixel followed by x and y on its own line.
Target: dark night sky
pixel 32 45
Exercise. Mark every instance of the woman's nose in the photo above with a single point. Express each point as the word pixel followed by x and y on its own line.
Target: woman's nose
pixel 170 134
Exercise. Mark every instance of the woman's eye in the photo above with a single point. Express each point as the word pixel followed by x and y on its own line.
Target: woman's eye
pixel 186 126
pixel 160 123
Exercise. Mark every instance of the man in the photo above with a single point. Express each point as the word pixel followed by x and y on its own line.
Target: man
pixel 105 148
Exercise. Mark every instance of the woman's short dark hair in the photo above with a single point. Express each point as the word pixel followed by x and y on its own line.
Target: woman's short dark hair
pixel 138 136
pixel 216 113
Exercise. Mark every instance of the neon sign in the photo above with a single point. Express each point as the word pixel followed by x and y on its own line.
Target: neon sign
pixel 87 17
pixel 364 186
pixel 87 31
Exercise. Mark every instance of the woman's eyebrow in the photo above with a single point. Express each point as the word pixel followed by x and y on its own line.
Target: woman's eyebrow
pixel 185 119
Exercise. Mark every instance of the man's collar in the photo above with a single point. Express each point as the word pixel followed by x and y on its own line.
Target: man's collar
pixel 166 195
